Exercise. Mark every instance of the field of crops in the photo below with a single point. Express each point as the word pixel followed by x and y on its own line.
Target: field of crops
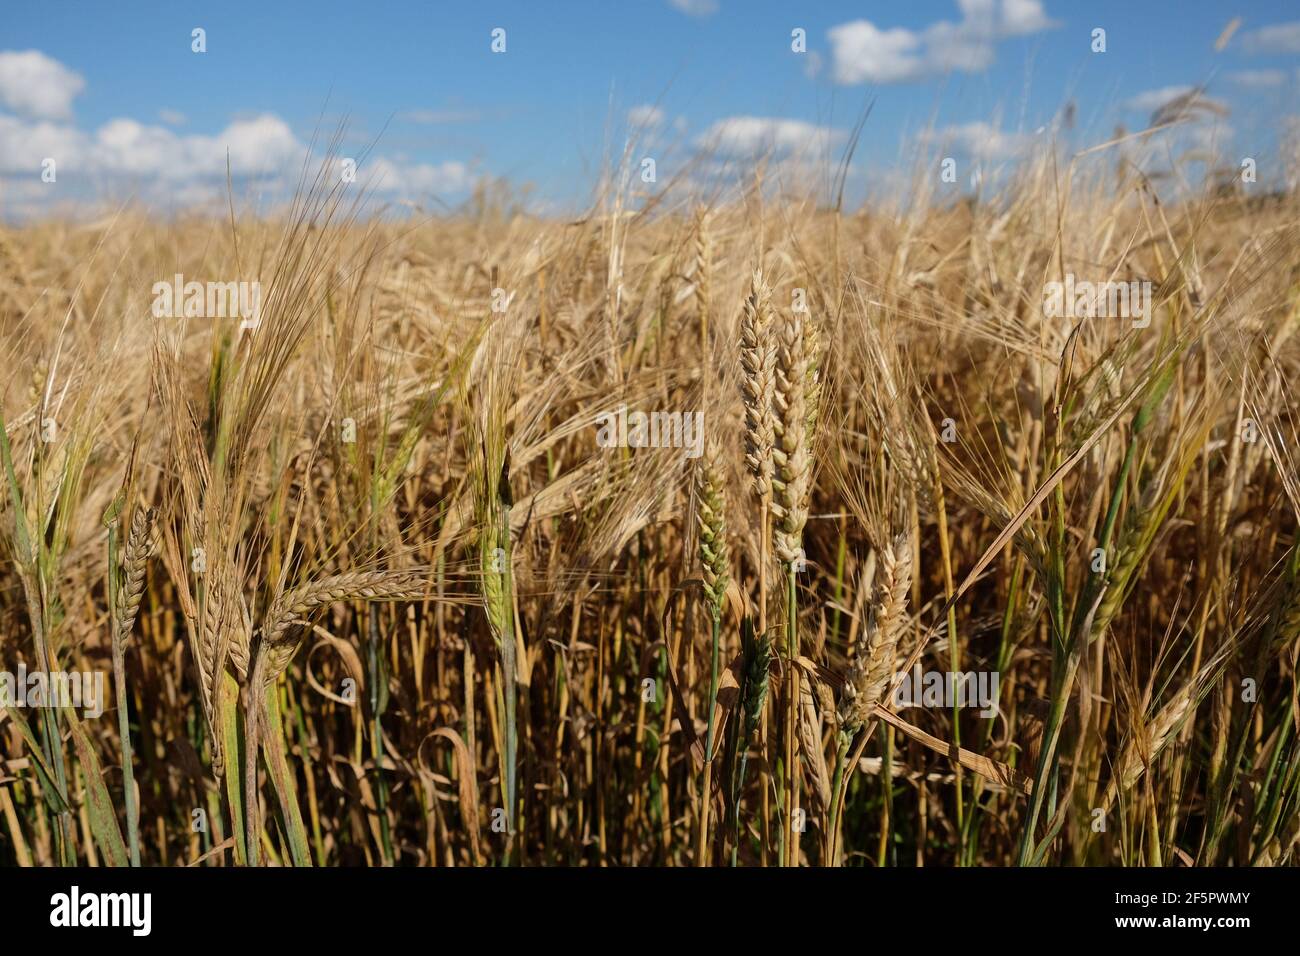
pixel 748 532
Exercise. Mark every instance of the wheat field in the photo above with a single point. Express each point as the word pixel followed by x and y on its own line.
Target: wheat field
pixel 623 539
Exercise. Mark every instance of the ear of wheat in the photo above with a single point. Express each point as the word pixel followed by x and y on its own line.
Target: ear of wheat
pixel 792 455
pixel 703 247
pixel 872 668
pixel 758 384
pixel 810 745
pixel 813 377
pixel 136 551
pixel 712 528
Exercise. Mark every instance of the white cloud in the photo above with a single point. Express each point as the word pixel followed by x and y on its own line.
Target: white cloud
pixel 34 85
pixel 153 161
pixel 259 146
pixel 1007 18
pixel 1278 38
pixel 645 117
pixel 172 117
pixel 782 176
pixel 417 179
pixel 982 141
pixel 863 52
pixel 956 47
pixel 1258 79
pixel 132 149
pixel 1022 17
pixel 24 145
pixel 695 8
pixel 752 135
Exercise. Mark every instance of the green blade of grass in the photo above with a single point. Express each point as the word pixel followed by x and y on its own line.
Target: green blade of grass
pixel 103 818
pixel 282 782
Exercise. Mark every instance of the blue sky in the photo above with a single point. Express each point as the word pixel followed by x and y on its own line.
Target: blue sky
pixel 115 94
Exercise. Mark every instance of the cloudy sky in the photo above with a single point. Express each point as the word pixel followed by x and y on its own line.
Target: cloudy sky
pixel 119 99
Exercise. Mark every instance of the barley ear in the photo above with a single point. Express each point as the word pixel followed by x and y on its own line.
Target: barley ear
pixel 139 547
pixel 286 614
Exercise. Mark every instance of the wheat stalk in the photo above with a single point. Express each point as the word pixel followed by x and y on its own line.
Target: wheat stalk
pixel 129 570
pixel 756 654
pixel 711 519
pixel 758 395
pixel 791 486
